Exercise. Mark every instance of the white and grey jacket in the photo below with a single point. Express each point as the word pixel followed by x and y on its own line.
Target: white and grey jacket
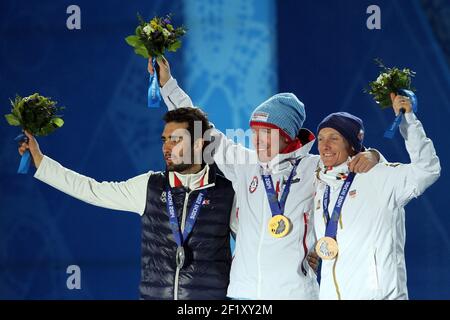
pixel 371 233
pixel 265 267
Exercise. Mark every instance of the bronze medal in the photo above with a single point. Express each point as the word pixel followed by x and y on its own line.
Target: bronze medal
pixel 327 248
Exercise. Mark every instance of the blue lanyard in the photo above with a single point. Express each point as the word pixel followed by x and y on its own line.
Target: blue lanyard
pixel 192 216
pixel 332 223
pixel 275 206
pixel 154 93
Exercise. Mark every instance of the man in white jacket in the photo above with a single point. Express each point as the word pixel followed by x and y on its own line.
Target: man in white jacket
pixel 362 236
pixel 274 190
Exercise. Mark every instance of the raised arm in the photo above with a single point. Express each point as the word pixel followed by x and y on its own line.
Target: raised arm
pixel 173 95
pixel 231 158
pixel 408 181
pixel 128 195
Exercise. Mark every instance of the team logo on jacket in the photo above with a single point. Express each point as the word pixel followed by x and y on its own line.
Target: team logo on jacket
pixel 393 164
pixel 163 197
pixel 253 184
pixel 352 193
pixel 296 180
pixel 205 202
pixel 341 176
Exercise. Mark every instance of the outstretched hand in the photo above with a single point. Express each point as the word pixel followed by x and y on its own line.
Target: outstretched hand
pixel 164 69
pixel 32 145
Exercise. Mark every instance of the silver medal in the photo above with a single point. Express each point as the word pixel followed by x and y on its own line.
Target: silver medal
pixel 180 257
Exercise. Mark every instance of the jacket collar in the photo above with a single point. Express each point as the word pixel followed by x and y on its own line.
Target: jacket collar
pixel 193 181
pixel 332 176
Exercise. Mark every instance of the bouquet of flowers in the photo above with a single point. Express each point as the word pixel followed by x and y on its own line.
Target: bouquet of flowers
pixel 152 39
pixel 155 37
pixel 36 114
pixel 396 81
pixel 389 80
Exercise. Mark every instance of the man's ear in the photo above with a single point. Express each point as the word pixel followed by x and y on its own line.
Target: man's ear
pixel 351 151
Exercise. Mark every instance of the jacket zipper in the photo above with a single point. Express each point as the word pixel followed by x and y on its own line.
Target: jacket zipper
pixel 183 222
pixel 377 280
pixel 305 247
pixel 261 237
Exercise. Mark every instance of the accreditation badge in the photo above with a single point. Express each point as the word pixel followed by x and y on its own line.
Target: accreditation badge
pixel 327 248
pixel 279 226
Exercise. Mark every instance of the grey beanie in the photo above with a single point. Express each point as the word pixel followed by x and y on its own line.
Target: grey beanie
pixel 284 111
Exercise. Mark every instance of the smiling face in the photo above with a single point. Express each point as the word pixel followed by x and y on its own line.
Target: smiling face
pixel 268 142
pixel 333 147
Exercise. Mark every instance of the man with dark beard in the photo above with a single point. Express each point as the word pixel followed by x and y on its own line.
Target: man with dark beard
pixel 185 211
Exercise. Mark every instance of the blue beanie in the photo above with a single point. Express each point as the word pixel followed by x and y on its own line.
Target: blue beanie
pixel 348 125
pixel 283 111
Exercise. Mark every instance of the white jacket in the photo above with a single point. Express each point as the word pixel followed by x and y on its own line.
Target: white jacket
pixel 130 195
pixel 371 233
pixel 265 267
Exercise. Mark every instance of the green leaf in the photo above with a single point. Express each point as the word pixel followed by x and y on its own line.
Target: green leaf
pixel 174 46
pixel 139 30
pixel 46 130
pixel 389 80
pixel 12 120
pixel 142 52
pixel 58 122
pixel 133 40
pixel 16 113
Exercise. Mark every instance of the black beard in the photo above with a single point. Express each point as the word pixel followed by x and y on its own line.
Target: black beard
pixel 179 167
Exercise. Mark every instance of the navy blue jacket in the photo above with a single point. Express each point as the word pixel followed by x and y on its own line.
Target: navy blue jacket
pixel 205 274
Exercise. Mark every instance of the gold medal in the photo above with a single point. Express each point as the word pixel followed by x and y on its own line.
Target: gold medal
pixel 279 226
pixel 327 248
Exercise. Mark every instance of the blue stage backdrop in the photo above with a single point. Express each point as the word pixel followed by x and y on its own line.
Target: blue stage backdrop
pixel 237 54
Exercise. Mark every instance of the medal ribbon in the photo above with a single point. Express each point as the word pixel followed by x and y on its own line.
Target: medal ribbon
pixel 191 218
pixel 332 223
pixel 25 161
pixel 277 208
pixel 390 132
pixel 154 93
